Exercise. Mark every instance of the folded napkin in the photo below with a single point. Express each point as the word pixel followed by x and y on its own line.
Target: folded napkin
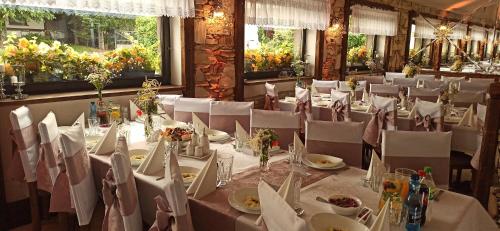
pixel 277 213
pixel 366 96
pixel 153 163
pixel 468 118
pixel 206 181
pixel 174 190
pixel 199 125
pixel 382 223
pixel 106 145
pixel 298 145
pixel 241 133
pixel 376 167
pixel 133 110
pixel 80 121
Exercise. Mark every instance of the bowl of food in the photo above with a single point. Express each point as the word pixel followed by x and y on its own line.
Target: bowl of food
pixel 323 161
pixel 344 204
pixel 245 200
pixel 188 174
pixel 137 156
pixel 177 134
pixel 334 222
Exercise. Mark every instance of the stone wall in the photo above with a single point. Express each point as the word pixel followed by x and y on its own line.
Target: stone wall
pixel 333 45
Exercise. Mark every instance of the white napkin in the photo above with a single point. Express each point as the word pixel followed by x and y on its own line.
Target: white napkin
pixel 366 97
pixel 122 147
pixel 381 223
pixel 174 190
pixel 276 212
pixel 271 90
pixel 106 145
pixel 80 121
pixel 241 133
pixel 206 181
pixel 468 118
pixel 376 167
pixel 199 125
pixel 133 110
pixel 298 145
pixel 153 162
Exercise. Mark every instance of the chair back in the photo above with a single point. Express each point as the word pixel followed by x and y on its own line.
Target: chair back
pixel 224 114
pixel 487 81
pixel 25 140
pixel 325 86
pixel 405 82
pixel 415 150
pixel 426 116
pixel 473 86
pixel 448 79
pixel 183 107
pixel 284 123
pixel 49 137
pixel 271 98
pixel 389 76
pixel 339 108
pixel 424 77
pixel 79 171
pixel 384 117
pixel 167 103
pixel 426 94
pixel 384 90
pixel 467 98
pixel 341 139
pixel 435 84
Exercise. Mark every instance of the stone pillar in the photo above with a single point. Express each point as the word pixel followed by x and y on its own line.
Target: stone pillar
pixel 333 46
pixel 398 43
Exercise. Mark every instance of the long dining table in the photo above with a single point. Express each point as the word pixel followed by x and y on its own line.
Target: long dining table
pixel 452 212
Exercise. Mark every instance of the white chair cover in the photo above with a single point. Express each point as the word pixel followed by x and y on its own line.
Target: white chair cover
pixel 487 81
pixel 224 114
pixel 183 107
pixel 426 94
pixel 415 150
pixel 426 116
pixel 167 103
pixel 271 98
pixel 341 139
pixel 405 82
pixel 424 77
pixel 384 90
pixel 384 117
pixel 340 106
pixel 389 76
pixel 447 79
pixel 324 86
pixel 474 86
pixel 25 145
pixel 467 98
pixel 283 123
pixel 303 106
pixel 435 84
pixel 50 147
pixel 78 168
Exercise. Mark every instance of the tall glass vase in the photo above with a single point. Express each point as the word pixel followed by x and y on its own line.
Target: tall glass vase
pixel 148 126
pixel 264 157
pixel 102 113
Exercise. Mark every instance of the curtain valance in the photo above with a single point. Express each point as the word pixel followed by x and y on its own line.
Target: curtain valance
pixel 307 14
pixel 477 33
pixel 370 21
pixel 425 30
pixel 173 8
pixel 459 31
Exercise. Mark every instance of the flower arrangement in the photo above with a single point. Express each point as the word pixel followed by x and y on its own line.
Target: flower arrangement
pixel 21 51
pixel 267 60
pixel 127 59
pixel 299 67
pixel 147 102
pixel 357 55
pixel 410 70
pixel 352 83
pixel 261 142
pixel 99 78
pixel 457 64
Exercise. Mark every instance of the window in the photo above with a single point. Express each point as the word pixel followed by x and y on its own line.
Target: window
pixel 269 51
pixel 362 48
pixel 56 49
pixel 417 55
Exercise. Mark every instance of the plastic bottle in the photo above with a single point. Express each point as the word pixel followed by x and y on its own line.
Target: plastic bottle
pixel 424 193
pixel 413 205
pixel 93 110
pixel 429 181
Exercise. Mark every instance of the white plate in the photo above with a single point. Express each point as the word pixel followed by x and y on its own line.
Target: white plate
pixel 187 169
pixel 290 99
pixel 91 141
pixel 325 221
pixel 237 200
pixel 336 163
pixel 215 135
pixel 403 113
pixel 137 152
pixel 355 107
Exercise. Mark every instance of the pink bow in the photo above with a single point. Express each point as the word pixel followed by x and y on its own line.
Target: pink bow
pixel 339 111
pixel 427 123
pixel 60 200
pixel 271 103
pixel 164 216
pixel 16 168
pixel 304 108
pixel 378 123
pixel 112 218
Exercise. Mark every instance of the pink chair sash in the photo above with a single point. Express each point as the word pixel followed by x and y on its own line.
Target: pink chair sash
pixel 167 221
pixel 340 112
pixel 77 166
pixel 426 123
pixel 226 123
pixel 120 200
pixel 48 152
pixel 285 135
pixel 22 139
pixel 60 200
pixel 305 110
pixel 439 165
pixel 351 153
pixel 271 103
pixel 378 122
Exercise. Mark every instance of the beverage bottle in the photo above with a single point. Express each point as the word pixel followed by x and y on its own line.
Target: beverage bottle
pixel 413 205
pixel 424 193
pixel 93 110
pixel 430 181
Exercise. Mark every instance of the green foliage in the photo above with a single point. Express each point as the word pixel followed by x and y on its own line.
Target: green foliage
pixel 355 40
pixel 145 30
pixel 21 14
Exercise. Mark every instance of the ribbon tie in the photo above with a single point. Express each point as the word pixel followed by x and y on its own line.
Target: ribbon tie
pixel 60 200
pixel 339 111
pixel 164 216
pixel 379 122
pixel 304 109
pixel 427 123
pixel 271 103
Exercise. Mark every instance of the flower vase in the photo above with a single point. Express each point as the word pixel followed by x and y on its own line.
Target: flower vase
pixel 352 96
pixel 264 158
pixel 148 126
pixel 102 113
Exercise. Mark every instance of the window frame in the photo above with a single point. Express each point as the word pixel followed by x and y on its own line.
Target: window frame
pixel 163 25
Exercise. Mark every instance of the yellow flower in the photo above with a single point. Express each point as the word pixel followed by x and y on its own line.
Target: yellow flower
pixel 23 43
pixel 10 51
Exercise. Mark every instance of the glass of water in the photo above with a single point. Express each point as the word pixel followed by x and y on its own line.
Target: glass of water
pixel 93 126
pixel 224 168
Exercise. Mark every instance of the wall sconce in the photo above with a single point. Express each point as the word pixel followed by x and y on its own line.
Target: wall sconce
pixel 336 29
pixel 442 32
pixel 218 17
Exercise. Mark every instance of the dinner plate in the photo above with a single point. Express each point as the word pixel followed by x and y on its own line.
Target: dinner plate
pixel 188 170
pixel 327 221
pixel 91 141
pixel 403 113
pixel 452 119
pixel 215 135
pixel 237 200
pixel 335 163
pixel 322 103
pixel 137 156
pixel 290 99
pixel 355 107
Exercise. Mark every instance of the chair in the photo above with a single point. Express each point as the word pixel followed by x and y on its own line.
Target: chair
pixel 339 108
pixel 384 117
pixel 167 103
pixel 474 86
pixel 426 94
pixel 467 98
pixel 435 84
pixel 284 123
pixel 119 193
pixel 370 79
pixel 223 115
pixel 184 107
pixel 389 76
pixel 79 171
pixel 271 99
pixel 405 82
pixel 25 156
pixel 423 77
pixel 384 90
pixel 49 136
pixel 324 86
pixel 448 79
pixel 341 139
pixel 358 90
pixel 415 150
pixel 426 116
pixel 303 106
pixel 486 81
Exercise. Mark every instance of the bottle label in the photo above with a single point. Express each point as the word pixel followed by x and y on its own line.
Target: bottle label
pixel 414 216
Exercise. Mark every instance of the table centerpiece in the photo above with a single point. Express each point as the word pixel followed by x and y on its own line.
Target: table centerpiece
pixel 147 102
pixel 261 143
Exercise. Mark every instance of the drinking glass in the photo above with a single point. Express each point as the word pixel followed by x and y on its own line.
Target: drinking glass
pixel 403 175
pixel 224 168
pixel 391 191
pixel 93 125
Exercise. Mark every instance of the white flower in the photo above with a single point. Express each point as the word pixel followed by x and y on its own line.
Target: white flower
pixel 43 48
pixel 56 45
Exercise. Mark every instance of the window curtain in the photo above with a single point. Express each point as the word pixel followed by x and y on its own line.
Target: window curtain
pixel 307 14
pixel 477 33
pixel 459 31
pixel 370 21
pixel 172 8
pixel 425 30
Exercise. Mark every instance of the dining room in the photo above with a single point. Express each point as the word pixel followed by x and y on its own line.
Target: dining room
pixel 240 115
